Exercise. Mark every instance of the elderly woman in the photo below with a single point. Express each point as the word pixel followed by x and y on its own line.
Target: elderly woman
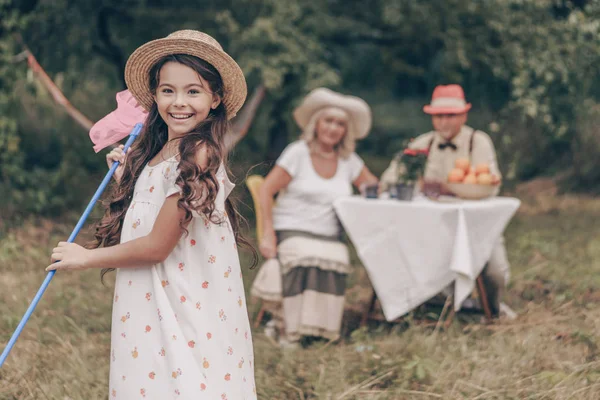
pixel 302 230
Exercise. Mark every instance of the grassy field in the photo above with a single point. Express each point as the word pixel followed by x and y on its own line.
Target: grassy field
pixel 549 352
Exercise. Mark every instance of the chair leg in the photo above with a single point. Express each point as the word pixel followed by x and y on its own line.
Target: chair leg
pixel 483 298
pixel 369 310
pixel 445 313
pixel 450 318
pixel 260 315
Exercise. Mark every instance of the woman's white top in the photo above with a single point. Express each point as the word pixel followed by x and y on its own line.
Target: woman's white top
pixel 306 204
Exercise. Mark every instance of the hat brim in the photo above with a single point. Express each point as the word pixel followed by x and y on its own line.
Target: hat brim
pixel 428 109
pixel 358 110
pixel 141 61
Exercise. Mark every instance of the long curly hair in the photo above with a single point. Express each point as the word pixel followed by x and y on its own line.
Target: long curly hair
pixel 199 187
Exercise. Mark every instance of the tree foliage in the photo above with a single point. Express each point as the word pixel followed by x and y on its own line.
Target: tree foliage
pixel 530 67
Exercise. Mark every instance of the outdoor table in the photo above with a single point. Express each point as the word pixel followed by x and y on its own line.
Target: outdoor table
pixel 412 250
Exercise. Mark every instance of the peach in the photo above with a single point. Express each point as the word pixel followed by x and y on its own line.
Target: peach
pixel 471 178
pixel 484 179
pixel 456 175
pixel 462 163
pixel 482 169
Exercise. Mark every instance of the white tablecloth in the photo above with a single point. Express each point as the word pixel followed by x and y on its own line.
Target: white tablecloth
pixel 413 250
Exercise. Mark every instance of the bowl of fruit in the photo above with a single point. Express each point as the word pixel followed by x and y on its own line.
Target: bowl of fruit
pixel 472 182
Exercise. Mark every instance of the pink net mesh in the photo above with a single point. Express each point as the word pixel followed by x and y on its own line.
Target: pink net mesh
pixel 118 124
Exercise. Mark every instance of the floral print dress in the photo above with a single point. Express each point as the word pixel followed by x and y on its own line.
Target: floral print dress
pixel 180 328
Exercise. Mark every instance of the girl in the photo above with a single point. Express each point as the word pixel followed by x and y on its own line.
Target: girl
pixel 180 327
pixel 302 229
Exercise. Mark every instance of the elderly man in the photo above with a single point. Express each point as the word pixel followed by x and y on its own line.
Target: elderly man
pixel 450 140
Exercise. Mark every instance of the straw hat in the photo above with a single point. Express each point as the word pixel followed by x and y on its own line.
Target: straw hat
pixel 194 43
pixel 447 99
pixel 358 110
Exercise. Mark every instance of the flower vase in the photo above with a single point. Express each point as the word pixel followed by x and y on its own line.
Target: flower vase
pixel 402 191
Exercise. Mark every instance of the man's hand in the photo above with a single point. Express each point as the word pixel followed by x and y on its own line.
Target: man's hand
pixel 435 188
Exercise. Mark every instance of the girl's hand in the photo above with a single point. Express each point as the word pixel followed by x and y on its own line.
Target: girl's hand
pixel 69 256
pixel 117 154
pixel 268 245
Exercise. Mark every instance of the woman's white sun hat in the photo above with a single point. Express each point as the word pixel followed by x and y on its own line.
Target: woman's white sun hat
pixel 357 109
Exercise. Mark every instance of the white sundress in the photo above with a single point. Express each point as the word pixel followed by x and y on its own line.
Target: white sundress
pixel 180 328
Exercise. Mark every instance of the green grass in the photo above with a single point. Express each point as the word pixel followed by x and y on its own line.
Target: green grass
pixel 549 352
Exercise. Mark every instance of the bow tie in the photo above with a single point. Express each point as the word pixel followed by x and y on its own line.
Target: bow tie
pixel 442 146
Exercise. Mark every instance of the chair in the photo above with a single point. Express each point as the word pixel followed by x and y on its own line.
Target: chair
pixel 479 292
pixel 253 183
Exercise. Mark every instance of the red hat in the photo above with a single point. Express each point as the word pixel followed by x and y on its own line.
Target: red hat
pixel 447 99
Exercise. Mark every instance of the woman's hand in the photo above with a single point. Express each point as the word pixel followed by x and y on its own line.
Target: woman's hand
pixel 268 245
pixel 117 154
pixel 69 256
pixel 366 178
